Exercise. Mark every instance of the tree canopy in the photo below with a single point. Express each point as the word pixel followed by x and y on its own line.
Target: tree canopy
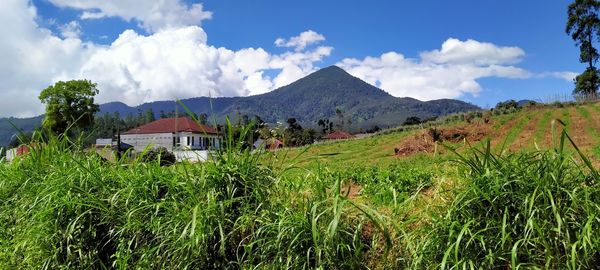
pixel 583 25
pixel 69 103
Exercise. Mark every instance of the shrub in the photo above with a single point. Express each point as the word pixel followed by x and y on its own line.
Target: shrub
pixel 160 154
pixel 413 120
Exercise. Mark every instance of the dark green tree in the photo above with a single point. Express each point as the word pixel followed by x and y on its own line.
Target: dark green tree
pixel 583 25
pixel 69 103
pixel 203 118
pixel 149 116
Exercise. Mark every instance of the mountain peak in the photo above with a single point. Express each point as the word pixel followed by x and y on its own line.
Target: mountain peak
pixel 331 71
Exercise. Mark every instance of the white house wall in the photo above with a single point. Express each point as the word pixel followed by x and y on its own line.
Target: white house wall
pixel 11 154
pixel 141 141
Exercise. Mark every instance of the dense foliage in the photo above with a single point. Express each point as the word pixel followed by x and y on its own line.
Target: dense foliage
pixel 525 210
pixel 160 155
pixel 69 105
pixel 583 25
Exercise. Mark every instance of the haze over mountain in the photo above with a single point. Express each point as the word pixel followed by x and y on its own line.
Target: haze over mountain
pixel 314 97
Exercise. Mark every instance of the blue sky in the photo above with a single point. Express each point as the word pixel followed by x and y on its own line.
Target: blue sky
pixel 139 53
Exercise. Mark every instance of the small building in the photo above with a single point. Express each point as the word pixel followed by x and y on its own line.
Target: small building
pixel 21 150
pixel 174 134
pixel 338 135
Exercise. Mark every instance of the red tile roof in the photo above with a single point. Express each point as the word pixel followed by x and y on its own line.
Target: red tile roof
pixel 338 135
pixel 169 125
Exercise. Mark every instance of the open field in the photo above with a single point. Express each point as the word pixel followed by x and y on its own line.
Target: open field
pixel 352 204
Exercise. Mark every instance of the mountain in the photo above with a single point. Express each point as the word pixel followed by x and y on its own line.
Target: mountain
pixel 7 130
pixel 314 97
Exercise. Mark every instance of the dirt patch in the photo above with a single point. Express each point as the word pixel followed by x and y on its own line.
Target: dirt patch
pixel 577 130
pixel 525 138
pixel 547 142
pixel 419 143
pixel 351 189
pixel 499 135
pixel 425 141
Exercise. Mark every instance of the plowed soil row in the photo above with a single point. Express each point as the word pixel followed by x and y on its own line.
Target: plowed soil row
pixel 520 132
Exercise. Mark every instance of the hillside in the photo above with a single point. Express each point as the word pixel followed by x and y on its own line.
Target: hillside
pixel 314 97
pixel 7 130
pixel 524 130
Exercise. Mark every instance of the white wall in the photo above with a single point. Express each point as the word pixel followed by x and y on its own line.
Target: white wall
pixel 11 154
pixel 191 155
pixel 141 141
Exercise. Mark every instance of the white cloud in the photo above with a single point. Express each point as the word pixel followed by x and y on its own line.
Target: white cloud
pixel 31 58
pixel 301 41
pixel 178 63
pixel 152 15
pixel 455 51
pixel 564 75
pixel 174 62
pixel 70 30
pixel 449 72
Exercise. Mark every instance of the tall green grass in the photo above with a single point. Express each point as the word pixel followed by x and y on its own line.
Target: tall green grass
pixel 525 210
pixel 62 207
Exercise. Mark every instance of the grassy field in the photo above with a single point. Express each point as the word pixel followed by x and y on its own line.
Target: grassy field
pixel 487 202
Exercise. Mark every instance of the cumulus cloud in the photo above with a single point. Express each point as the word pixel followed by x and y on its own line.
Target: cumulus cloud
pixel 455 51
pixel 449 72
pixel 31 58
pixel 173 62
pixel 178 63
pixel 152 15
pixel 301 41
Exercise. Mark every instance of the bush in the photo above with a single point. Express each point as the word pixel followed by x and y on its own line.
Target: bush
pixel 505 105
pixel 413 120
pixel 160 154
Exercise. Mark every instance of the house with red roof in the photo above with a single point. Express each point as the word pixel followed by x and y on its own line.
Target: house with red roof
pixel 338 135
pixel 180 133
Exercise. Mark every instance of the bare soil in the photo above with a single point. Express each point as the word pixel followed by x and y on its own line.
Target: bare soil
pixel 525 139
pixel 423 142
